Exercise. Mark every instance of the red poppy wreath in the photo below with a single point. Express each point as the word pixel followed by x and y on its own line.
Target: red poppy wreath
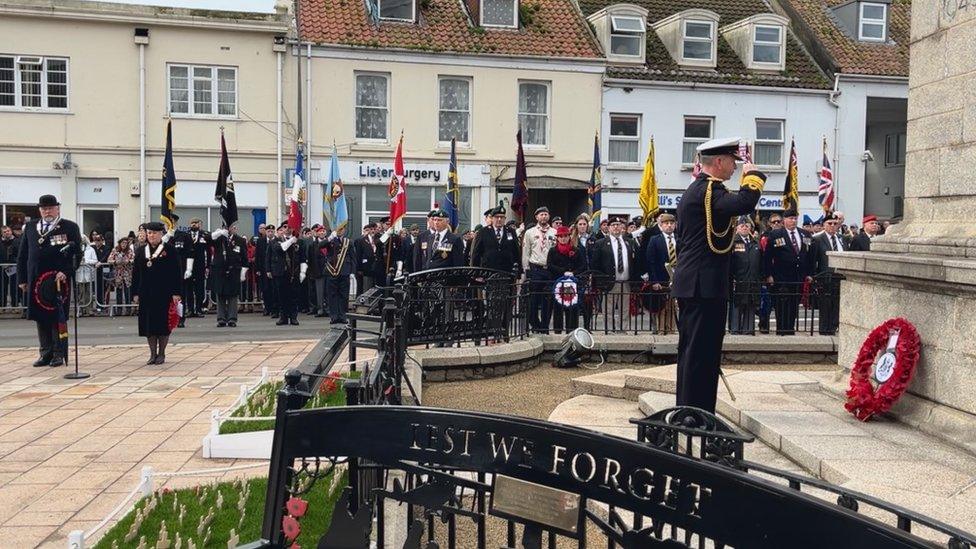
pixel 893 372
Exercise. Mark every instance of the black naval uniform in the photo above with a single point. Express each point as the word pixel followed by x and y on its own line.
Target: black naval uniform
pixel 701 281
pixel 194 288
pixel 230 258
pixel 340 264
pixel 59 250
pixel 184 249
pixel 285 266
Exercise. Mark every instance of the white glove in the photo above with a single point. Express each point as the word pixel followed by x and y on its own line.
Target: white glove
pixel 304 269
pixel 189 269
pixel 386 235
pixel 219 233
pixel 645 278
pixel 168 236
pixel 399 269
pixel 287 244
pixel 243 274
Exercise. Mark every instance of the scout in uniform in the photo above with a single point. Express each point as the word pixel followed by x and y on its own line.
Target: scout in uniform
pixel 536 242
pixel 229 270
pixel 50 248
pixel 155 284
pixel 707 214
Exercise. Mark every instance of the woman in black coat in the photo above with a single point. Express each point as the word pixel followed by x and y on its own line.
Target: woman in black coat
pixel 565 259
pixel 155 284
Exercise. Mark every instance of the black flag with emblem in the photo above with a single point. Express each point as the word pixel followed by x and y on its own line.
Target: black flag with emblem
pixel 225 187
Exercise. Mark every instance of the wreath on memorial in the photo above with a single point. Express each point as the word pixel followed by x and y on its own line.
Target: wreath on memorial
pixel 863 398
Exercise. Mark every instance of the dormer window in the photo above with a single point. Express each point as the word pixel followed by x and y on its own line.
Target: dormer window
pixel 873 22
pixel 697 40
pixel 622 29
pixel 767 44
pixel 691 37
pixel 626 36
pixel 397 10
pixel 499 13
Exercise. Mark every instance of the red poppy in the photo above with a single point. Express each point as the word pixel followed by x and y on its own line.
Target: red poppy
pixel 291 527
pixel 296 507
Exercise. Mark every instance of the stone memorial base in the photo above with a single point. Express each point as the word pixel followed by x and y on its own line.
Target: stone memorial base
pixel 902 277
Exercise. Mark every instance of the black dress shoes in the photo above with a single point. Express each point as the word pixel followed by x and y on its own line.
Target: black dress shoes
pixel 56 361
pixel 282 322
pixel 294 322
pixel 43 361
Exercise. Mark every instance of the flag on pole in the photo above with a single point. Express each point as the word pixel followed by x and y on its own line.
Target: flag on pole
pixel 398 187
pixel 791 189
pixel 825 194
pixel 297 191
pixel 648 197
pixel 520 193
pixel 453 197
pixel 224 193
pixel 335 195
pixel 595 192
pixel 168 200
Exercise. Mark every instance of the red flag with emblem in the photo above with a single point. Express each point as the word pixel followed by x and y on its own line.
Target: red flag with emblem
pixel 398 187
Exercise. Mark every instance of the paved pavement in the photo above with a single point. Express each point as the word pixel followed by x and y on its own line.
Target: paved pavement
pixel 124 330
pixel 70 451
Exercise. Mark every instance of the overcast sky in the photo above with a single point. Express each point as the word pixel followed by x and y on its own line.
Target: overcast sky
pixel 264 6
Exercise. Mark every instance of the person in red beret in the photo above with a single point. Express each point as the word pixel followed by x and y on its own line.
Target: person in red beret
pixel 565 259
pixel 870 228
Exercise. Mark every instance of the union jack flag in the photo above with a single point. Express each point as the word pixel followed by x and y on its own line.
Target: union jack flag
pixel 826 192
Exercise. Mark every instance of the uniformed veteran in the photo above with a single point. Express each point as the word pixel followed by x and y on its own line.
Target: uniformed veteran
pixel 706 218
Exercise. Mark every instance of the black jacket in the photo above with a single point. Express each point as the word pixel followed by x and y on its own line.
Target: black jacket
pixel 261 255
pixel 861 243
pixel 781 262
pixel 450 253
pixel 285 262
pixel 316 255
pixel 819 263
pixel 490 253
pixel 605 262
pixel 230 256
pixel 702 272
pixel 342 258
pixel 199 250
pixel 59 251
pixel 746 271
pixel 366 256
pixel 559 264
pixel 9 250
pixel 657 258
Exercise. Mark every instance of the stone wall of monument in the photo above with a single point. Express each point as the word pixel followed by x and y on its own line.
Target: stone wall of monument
pixel 941 158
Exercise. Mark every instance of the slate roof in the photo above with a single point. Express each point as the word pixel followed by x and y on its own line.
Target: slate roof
pixel 801 70
pixel 846 54
pixel 552 28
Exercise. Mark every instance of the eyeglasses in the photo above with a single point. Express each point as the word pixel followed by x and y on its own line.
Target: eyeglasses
pixel 771 221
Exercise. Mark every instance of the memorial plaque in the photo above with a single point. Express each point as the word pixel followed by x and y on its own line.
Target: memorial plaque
pixel 527 502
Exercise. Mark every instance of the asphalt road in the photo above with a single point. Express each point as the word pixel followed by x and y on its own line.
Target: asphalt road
pixel 123 330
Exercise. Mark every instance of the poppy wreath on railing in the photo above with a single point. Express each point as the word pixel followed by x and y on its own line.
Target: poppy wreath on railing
pixel 863 399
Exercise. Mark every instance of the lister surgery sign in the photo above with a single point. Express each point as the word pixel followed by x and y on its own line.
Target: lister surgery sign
pixel 369 172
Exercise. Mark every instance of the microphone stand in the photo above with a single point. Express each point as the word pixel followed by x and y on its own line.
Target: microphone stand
pixel 74 290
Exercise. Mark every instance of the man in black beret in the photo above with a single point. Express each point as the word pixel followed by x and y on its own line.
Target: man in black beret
pixel 50 248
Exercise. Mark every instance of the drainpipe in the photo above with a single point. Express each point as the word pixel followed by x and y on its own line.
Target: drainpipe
pixel 832 99
pixel 142 39
pixel 279 48
pixel 308 119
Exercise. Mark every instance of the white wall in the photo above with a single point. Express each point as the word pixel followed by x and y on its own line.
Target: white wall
pixel 808 117
pixel 852 135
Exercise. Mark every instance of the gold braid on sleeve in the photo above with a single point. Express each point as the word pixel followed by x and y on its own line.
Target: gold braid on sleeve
pixel 709 230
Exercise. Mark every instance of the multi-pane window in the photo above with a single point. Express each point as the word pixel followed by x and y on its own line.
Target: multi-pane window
pixel 624 138
pixel 196 90
pixel 499 13
pixel 894 149
pixel 697 42
pixel 454 112
pixel 626 35
pixel 769 143
pixel 372 106
pixel 33 82
pixel 873 22
pixel 767 44
pixel 397 10
pixel 697 131
pixel 533 115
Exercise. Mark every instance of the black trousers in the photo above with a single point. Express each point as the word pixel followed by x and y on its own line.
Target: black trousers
pixel 701 328
pixel 787 302
pixel 47 338
pixel 565 318
pixel 194 296
pixel 337 295
pixel 828 299
pixel 540 298
pixel 269 294
pixel 287 290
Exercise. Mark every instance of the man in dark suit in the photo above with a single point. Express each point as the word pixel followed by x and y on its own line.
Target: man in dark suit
pixel 496 246
pixel 827 281
pixel 51 247
pixel 366 254
pixel 229 270
pixel 9 248
pixel 616 259
pixel 195 276
pixel 786 267
pixel 285 262
pixel 746 279
pixel 261 262
pixel 441 248
pixel 706 215
pixel 315 256
pixel 775 222
pixel 862 242
pixel 340 266
pixel 662 251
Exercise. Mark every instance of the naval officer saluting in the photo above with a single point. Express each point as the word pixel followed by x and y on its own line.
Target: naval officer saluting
pixel 706 217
